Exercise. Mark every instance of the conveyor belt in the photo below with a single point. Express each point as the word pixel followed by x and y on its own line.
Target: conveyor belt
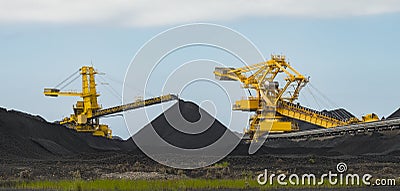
pixel 135 105
pixel 383 125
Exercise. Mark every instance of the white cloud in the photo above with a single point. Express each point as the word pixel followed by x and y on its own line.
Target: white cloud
pixel 163 12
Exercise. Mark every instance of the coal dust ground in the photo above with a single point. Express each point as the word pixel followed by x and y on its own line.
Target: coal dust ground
pixel 33 149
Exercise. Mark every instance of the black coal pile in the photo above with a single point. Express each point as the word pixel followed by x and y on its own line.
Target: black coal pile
pixel 26 136
pixel 305 125
pixel 377 143
pixel 185 125
pixel 395 114
pixel 340 113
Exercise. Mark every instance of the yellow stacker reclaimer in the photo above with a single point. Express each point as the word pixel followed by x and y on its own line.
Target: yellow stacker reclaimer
pixel 273 104
pixel 88 111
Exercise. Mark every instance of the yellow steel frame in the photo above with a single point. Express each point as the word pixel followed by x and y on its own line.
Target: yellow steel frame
pixel 267 97
pixel 82 119
pixel 272 104
pixel 87 111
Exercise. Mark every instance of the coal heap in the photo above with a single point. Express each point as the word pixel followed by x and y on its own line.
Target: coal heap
pixel 340 113
pixel 187 116
pixel 395 114
pixel 28 136
pixel 305 125
pixel 377 143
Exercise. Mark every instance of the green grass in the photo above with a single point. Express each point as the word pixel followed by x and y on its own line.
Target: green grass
pixel 181 184
pixel 222 164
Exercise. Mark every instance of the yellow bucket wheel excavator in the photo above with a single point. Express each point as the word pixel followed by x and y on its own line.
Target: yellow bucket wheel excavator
pixel 273 106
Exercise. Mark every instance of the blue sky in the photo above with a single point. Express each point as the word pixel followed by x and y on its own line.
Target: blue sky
pixel 350 50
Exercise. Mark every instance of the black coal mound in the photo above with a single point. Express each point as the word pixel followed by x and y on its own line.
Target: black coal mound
pixel 395 114
pixel 185 116
pixel 27 136
pixel 378 143
pixel 340 113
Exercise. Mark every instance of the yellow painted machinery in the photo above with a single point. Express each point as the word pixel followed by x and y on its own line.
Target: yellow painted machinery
pixel 273 105
pixel 87 111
